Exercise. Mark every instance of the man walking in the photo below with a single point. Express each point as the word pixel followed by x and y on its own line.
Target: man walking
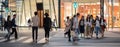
pixel 35 24
pixel 75 27
pixel 14 27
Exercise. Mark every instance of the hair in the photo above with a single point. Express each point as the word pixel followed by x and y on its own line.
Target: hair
pixel 14 15
pixel 88 18
pixel 91 16
pixel 82 16
pixel 8 18
pixel 97 18
pixel 78 14
pixel 74 15
pixel 67 17
pixel 35 13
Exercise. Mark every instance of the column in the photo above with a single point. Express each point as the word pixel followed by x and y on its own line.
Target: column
pixel 112 13
pixel 59 13
pixel 102 8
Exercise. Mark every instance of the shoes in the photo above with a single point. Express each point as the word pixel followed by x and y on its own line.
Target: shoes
pixel 65 35
pixel 16 38
pixel 69 40
pixel 8 40
pixel 34 41
pixel 47 40
pixel 97 38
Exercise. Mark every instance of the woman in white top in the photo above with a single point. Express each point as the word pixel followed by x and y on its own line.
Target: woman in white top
pixel 97 26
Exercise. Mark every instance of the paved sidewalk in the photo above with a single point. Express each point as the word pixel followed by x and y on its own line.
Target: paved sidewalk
pixel 24 38
pixel 111 40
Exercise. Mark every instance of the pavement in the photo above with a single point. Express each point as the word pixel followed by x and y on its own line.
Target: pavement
pixel 24 38
pixel 111 39
pixel 57 39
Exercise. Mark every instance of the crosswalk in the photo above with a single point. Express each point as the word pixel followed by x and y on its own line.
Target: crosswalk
pixel 110 40
pixel 22 40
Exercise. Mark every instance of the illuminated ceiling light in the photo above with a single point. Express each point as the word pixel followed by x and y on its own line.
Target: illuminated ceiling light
pixel 94 12
pixel 118 13
pixel 94 9
pixel 98 2
pixel 88 12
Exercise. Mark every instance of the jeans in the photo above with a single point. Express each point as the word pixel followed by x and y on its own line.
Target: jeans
pixel 97 30
pixel 7 36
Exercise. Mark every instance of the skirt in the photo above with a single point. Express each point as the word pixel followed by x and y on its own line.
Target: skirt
pixel 82 29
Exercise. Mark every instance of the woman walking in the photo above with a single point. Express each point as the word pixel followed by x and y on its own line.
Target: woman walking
pixel 97 26
pixel 103 26
pixel 47 26
pixel 67 29
pixel 81 26
pixel 87 32
pixel 8 27
pixel 92 25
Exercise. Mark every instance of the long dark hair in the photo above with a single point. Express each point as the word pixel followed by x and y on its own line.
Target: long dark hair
pixel 88 18
pixel 8 18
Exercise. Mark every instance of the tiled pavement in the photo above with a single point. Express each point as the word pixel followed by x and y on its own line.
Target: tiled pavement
pixel 24 38
pixel 111 40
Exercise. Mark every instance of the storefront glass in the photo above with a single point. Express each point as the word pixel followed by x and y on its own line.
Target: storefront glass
pixel 85 7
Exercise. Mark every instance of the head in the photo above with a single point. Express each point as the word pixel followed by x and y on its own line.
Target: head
pixel 91 16
pixel 97 17
pixel 67 17
pixel 74 16
pixel 14 16
pixel 46 14
pixel 82 17
pixel 88 16
pixel 35 13
pixel 78 14
pixel 101 17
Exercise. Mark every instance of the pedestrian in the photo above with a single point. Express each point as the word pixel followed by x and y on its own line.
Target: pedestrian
pixel 75 28
pixel 88 26
pixel 35 25
pixel 47 23
pixel 97 26
pixel 92 25
pixel 82 26
pixel 67 29
pixel 29 23
pixel 102 25
pixel 8 25
pixel 54 24
pixel 14 26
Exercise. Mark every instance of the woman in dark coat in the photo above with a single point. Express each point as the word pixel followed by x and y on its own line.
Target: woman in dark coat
pixel 8 25
pixel 47 26
pixel 81 26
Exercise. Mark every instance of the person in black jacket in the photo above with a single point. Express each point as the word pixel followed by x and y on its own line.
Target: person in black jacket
pixel 8 25
pixel 14 27
pixel 82 26
pixel 47 26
